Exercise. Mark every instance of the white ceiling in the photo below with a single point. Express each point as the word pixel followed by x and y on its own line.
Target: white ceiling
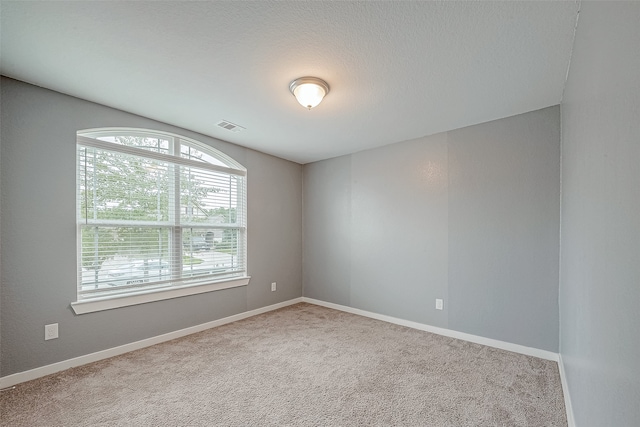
pixel 397 70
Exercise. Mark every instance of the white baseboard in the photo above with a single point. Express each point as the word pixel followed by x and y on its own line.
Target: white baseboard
pixel 571 421
pixel 32 374
pixel 20 377
pixel 516 348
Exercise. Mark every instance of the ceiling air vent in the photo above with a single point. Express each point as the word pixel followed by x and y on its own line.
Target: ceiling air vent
pixel 230 126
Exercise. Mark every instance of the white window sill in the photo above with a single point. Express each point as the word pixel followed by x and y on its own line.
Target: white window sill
pixel 108 303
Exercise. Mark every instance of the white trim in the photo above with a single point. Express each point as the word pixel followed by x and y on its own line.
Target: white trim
pixel 127 131
pixel 571 421
pixel 83 141
pixel 516 348
pixel 20 377
pixel 32 374
pixel 149 295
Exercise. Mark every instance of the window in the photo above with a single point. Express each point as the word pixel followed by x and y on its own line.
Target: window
pixel 158 216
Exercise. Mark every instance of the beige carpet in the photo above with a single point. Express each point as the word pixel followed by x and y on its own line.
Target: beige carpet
pixel 303 365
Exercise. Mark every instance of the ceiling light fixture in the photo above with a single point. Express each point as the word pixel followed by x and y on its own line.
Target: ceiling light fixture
pixel 309 91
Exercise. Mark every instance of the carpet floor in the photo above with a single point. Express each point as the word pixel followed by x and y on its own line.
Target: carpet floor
pixel 302 365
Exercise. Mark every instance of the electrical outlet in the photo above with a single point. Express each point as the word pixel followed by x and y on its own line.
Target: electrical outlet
pixel 273 286
pixel 439 304
pixel 50 331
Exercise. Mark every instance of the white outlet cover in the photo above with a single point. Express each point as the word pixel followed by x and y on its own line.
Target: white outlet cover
pixel 439 304
pixel 50 331
pixel 273 286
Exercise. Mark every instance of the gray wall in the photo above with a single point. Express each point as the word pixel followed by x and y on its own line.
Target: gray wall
pixel 504 220
pixel 600 267
pixel 470 216
pixel 38 225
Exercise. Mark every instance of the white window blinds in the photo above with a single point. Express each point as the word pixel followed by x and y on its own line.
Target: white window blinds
pixel 156 211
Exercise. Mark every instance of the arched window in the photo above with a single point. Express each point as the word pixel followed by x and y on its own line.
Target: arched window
pixel 157 213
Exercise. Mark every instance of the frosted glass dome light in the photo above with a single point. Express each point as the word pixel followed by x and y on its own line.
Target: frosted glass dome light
pixel 309 91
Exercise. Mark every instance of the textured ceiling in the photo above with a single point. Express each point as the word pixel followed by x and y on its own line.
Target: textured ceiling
pixel 397 70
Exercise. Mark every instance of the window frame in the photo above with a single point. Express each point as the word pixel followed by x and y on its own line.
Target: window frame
pixel 183 286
